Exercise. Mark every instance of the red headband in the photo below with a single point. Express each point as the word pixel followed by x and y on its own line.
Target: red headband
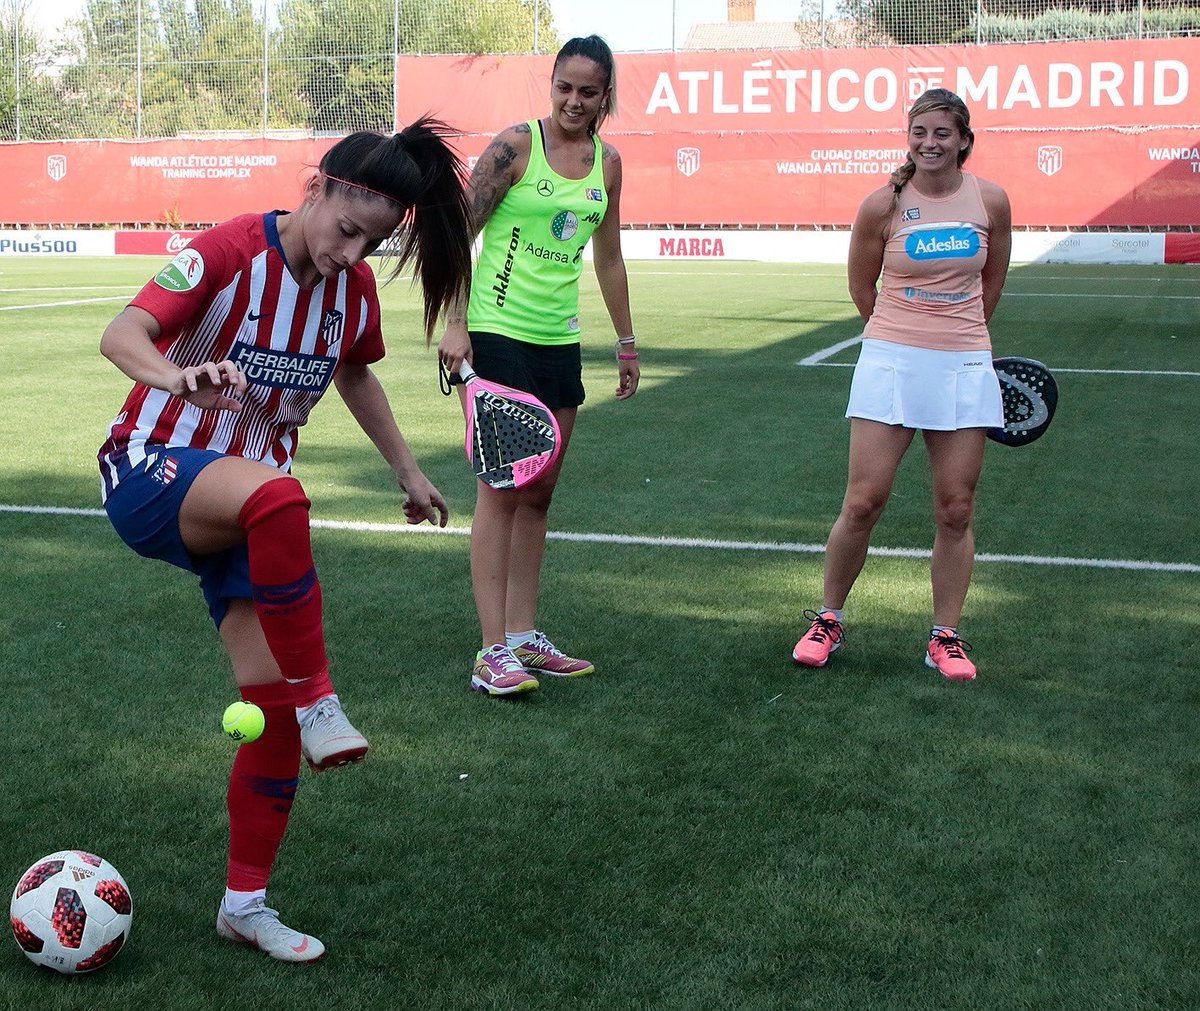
pixel 360 186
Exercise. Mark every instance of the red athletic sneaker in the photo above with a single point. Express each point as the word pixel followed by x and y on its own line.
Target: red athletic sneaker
pixel 824 635
pixel 948 653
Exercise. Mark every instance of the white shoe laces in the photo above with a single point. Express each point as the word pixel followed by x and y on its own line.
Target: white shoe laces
pixel 544 645
pixel 503 657
pixel 326 712
pixel 262 921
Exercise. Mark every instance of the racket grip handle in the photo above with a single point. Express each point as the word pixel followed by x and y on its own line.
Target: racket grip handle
pixel 466 372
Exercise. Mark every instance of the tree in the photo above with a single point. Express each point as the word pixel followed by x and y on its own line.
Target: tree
pixel 27 94
pixel 477 26
pixel 100 74
pixel 940 22
pixel 160 68
pixel 346 79
pixel 342 77
pixel 911 22
pixel 211 74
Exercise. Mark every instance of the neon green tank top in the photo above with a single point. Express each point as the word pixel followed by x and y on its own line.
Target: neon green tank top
pixel 526 281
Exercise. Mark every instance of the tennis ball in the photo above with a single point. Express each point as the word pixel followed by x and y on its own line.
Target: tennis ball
pixel 244 722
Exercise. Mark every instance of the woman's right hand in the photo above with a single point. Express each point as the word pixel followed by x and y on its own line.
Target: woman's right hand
pixel 213 386
pixel 128 342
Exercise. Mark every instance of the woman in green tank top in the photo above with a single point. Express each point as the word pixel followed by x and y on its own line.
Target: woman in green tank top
pixel 539 192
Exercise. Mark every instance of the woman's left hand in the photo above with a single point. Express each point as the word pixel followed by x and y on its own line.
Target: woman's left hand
pixel 424 502
pixel 627 378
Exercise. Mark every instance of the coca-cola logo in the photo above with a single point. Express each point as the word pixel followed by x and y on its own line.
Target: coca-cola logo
pixel 177 242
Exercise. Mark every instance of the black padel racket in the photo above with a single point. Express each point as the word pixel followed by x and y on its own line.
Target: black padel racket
pixel 512 438
pixel 1030 396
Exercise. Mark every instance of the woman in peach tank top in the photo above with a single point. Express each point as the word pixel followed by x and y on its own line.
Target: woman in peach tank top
pixel 939 238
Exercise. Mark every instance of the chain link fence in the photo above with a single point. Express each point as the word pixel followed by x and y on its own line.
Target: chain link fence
pixel 145 69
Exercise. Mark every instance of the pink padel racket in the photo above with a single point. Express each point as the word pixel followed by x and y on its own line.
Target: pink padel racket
pixel 512 438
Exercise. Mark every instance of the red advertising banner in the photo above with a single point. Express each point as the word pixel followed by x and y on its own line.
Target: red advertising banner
pixel 1059 85
pixel 151 242
pixel 109 182
pixel 1088 133
pixel 1182 247
pixel 1065 178
pixel 1080 133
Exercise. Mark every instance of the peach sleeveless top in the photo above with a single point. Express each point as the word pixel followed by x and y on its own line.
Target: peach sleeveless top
pixel 933 257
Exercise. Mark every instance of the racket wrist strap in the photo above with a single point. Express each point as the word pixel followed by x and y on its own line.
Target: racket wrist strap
pixel 624 349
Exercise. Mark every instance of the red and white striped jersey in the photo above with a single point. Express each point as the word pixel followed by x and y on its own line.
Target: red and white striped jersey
pixel 230 294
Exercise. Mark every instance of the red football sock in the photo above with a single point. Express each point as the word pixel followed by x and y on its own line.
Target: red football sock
pixel 262 786
pixel 284 586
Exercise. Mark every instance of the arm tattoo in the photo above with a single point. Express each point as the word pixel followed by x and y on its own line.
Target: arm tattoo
pixel 485 200
pixel 503 155
pixel 488 182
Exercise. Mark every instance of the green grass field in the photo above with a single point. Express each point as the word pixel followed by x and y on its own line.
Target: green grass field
pixel 701 825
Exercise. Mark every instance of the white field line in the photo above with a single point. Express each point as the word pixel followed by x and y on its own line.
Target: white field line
pixel 700 543
pixel 652 267
pixel 817 358
pixel 1098 294
pixel 73 301
pixel 633 266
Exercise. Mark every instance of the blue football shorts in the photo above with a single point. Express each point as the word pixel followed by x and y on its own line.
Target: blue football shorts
pixel 144 510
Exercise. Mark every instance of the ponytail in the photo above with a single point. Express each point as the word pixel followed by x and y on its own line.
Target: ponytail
pixel 417 169
pixel 899 179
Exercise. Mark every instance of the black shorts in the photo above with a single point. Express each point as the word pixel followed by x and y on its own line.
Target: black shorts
pixel 551 372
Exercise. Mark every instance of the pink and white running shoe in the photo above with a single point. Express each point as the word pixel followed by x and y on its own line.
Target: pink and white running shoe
pixel 498 672
pixel 824 635
pixel 947 653
pixel 540 656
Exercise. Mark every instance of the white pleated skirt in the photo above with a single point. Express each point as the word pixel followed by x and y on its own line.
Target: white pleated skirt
pixel 942 391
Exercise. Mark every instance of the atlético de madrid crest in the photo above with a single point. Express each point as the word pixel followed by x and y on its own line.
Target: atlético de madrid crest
pixel 687 160
pixel 1049 158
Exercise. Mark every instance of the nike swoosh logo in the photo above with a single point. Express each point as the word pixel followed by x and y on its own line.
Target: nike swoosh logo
pixel 299 949
pixel 254 317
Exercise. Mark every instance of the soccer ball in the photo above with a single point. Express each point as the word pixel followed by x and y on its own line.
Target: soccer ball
pixel 71 912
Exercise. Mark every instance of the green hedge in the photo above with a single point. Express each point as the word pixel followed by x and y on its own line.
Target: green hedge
pixel 1060 25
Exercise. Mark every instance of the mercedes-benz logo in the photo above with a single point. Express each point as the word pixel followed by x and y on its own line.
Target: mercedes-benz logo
pixel 545 187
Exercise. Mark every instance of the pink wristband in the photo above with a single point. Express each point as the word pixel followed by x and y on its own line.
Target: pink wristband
pixel 627 358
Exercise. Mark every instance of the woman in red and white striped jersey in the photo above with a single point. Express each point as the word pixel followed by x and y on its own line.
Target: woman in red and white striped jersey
pixel 230 346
